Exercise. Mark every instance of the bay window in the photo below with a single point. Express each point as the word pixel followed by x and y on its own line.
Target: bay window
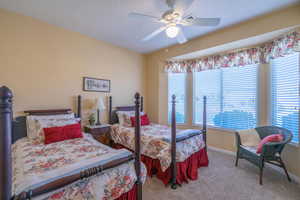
pixel 245 88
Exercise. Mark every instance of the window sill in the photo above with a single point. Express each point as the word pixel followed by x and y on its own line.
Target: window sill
pixel 178 124
pixel 293 144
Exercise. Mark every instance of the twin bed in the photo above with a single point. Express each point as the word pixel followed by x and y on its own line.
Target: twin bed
pixel 174 155
pixel 79 168
pixel 82 168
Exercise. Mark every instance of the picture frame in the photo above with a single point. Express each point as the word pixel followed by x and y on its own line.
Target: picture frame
pixel 96 85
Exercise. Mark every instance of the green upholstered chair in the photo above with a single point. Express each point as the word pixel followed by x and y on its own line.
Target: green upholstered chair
pixel 271 152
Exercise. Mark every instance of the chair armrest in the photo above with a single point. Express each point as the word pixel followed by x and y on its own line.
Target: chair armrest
pixel 271 148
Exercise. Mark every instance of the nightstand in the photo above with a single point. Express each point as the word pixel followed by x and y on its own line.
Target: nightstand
pixel 100 133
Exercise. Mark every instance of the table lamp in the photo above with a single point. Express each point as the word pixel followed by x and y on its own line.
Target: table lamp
pixel 100 107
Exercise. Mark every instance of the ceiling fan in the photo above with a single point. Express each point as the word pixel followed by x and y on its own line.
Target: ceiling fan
pixel 174 19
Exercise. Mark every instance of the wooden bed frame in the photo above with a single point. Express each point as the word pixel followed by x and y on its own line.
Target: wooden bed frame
pixel 114 119
pixel 12 130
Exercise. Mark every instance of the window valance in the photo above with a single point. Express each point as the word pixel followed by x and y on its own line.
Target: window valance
pixel 283 45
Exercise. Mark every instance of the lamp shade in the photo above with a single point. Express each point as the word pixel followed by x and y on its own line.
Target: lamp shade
pixel 100 104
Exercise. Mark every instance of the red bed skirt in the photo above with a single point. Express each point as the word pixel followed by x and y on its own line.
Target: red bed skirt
pixel 186 170
pixel 130 195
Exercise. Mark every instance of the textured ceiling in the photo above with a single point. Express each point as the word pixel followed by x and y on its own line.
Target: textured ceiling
pixel 107 20
pixel 236 45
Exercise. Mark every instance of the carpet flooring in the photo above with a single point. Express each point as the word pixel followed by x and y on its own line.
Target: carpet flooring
pixel 221 180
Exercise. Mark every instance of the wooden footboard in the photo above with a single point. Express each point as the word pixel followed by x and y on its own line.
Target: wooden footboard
pixel 6 119
pixel 54 185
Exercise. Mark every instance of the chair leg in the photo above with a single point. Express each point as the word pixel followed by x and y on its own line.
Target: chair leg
pixel 261 169
pixel 285 170
pixel 237 159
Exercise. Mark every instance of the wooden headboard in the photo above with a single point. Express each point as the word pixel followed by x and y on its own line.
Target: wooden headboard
pixel 48 112
pixel 113 118
pixel 19 127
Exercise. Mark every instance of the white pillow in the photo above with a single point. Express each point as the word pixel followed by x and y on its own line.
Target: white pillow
pixel 48 123
pixel 31 122
pixel 124 117
pixel 120 117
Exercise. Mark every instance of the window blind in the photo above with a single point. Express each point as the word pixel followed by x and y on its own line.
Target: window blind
pixel 177 86
pixel 207 83
pixel 239 97
pixel 231 96
pixel 285 93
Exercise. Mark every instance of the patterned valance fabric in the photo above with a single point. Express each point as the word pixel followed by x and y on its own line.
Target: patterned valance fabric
pixel 281 46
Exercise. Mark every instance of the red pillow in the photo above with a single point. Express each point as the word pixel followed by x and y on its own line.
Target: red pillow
pixel 73 131
pixel 61 133
pixel 144 120
pixel 270 138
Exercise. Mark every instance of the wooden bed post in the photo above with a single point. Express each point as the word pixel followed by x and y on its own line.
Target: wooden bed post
pixel 138 146
pixel 110 110
pixel 5 143
pixel 173 144
pixel 204 121
pixel 79 106
pixel 142 103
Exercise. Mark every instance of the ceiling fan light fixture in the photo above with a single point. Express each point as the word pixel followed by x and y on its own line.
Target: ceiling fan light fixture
pixel 172 31
pixel 174 19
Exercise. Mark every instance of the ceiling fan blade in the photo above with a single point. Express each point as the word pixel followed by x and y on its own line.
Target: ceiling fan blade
pixel 171 3
pixel 191 21
pixel 181 37
pixel 143 16
pixel 153 34
pixel 180 5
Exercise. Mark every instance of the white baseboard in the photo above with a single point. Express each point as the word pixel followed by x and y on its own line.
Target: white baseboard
pixel 293 176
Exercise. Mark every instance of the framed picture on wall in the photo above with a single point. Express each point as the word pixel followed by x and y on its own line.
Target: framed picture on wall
pixel 96 85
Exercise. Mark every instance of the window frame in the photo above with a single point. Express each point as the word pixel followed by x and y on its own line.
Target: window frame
pixel 185 122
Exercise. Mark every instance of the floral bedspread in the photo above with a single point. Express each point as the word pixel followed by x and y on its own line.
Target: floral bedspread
pixel 154 143
pixel 35 164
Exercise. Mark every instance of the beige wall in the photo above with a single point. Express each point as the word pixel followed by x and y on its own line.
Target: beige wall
pixel 156 85
pixel 44 65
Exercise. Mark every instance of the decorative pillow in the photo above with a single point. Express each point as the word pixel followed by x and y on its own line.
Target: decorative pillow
pixel 31 122
pixel 270 138
pixel 144 120
pixel 61 133
pixel 47 123
pixel 124 117
pixel 121 115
